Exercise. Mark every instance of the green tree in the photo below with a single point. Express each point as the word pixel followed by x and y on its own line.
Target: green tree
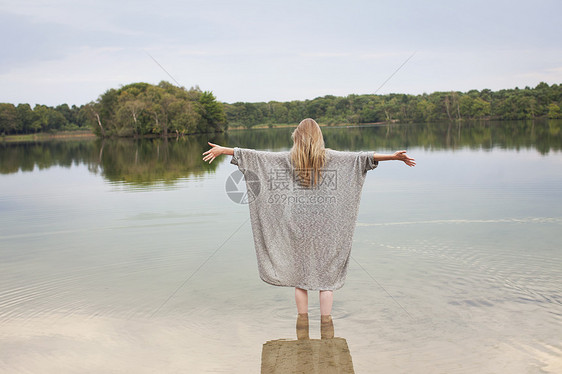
pixel 425 111
pixel 554 111
pixel 47 119
pixel 8 118
pixel 26 117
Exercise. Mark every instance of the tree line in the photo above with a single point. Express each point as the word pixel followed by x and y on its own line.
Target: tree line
pixel 22 119
pixel 543 101
pixel 142 109
pixel 134 110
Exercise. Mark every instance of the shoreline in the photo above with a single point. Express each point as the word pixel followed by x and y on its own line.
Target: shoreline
pixel 272 126
pixel 62 135
pixel 88 134
pixel 73 135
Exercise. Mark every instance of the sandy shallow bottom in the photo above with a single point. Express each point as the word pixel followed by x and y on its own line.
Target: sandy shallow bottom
pixel 100 344
pixel 435 303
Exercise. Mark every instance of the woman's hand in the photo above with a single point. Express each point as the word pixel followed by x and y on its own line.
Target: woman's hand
pixel 215 151
pixel 402 156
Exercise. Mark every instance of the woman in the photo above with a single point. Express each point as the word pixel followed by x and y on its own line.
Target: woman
pixel 303 212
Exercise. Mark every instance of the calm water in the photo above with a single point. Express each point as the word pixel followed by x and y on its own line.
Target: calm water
pixel 128 256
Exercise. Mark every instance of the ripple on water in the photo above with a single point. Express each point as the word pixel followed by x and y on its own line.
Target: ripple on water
pixel 126 287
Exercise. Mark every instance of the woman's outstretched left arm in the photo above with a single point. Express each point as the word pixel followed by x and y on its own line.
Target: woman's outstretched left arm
pixel 398 156
pixel 215 151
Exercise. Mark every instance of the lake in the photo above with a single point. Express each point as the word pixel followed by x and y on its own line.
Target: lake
pixel 128 256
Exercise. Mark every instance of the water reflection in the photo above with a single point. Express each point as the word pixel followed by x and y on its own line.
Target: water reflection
pixel 147 162
pixel 143 163
pixel 127 161
pixel 304 355
pixel 544 136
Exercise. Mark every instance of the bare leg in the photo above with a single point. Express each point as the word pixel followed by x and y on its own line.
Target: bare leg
pixel 326 324
pixel 301 299
pixel 326 300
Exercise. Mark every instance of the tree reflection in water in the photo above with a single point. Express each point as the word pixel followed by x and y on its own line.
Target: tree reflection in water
pixel 146 162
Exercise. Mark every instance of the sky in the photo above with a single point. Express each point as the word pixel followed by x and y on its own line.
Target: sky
pixel 59 51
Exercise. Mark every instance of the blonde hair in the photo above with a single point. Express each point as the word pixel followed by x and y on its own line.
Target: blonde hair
pixel 308 154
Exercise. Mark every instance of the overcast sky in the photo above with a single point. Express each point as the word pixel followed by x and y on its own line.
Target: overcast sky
pixel 60 51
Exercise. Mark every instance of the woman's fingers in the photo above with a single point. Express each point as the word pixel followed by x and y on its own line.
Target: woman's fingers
pixel 209 158
pixel 210 154
pixel 210 151
pixel 407 159
pixel 410 161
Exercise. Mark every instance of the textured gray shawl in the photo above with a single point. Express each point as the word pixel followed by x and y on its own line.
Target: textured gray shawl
pixel 303 235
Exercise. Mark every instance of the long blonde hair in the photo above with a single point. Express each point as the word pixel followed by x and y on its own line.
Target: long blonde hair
pixel 308 154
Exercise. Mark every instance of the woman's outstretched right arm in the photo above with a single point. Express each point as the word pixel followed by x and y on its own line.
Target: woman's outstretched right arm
pixel 215 151
pixel 397 156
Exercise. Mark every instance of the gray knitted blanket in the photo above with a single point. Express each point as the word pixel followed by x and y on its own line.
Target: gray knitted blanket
pixel 303 235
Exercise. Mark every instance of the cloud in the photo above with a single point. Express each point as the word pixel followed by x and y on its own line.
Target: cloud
pixel 532 78
pixel 76 15
pixel 79 77
pixel 556 70
pixel 325 54
pixel 251 50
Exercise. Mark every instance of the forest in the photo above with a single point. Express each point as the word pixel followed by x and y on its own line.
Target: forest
pixel 143 109
pixel 543 101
